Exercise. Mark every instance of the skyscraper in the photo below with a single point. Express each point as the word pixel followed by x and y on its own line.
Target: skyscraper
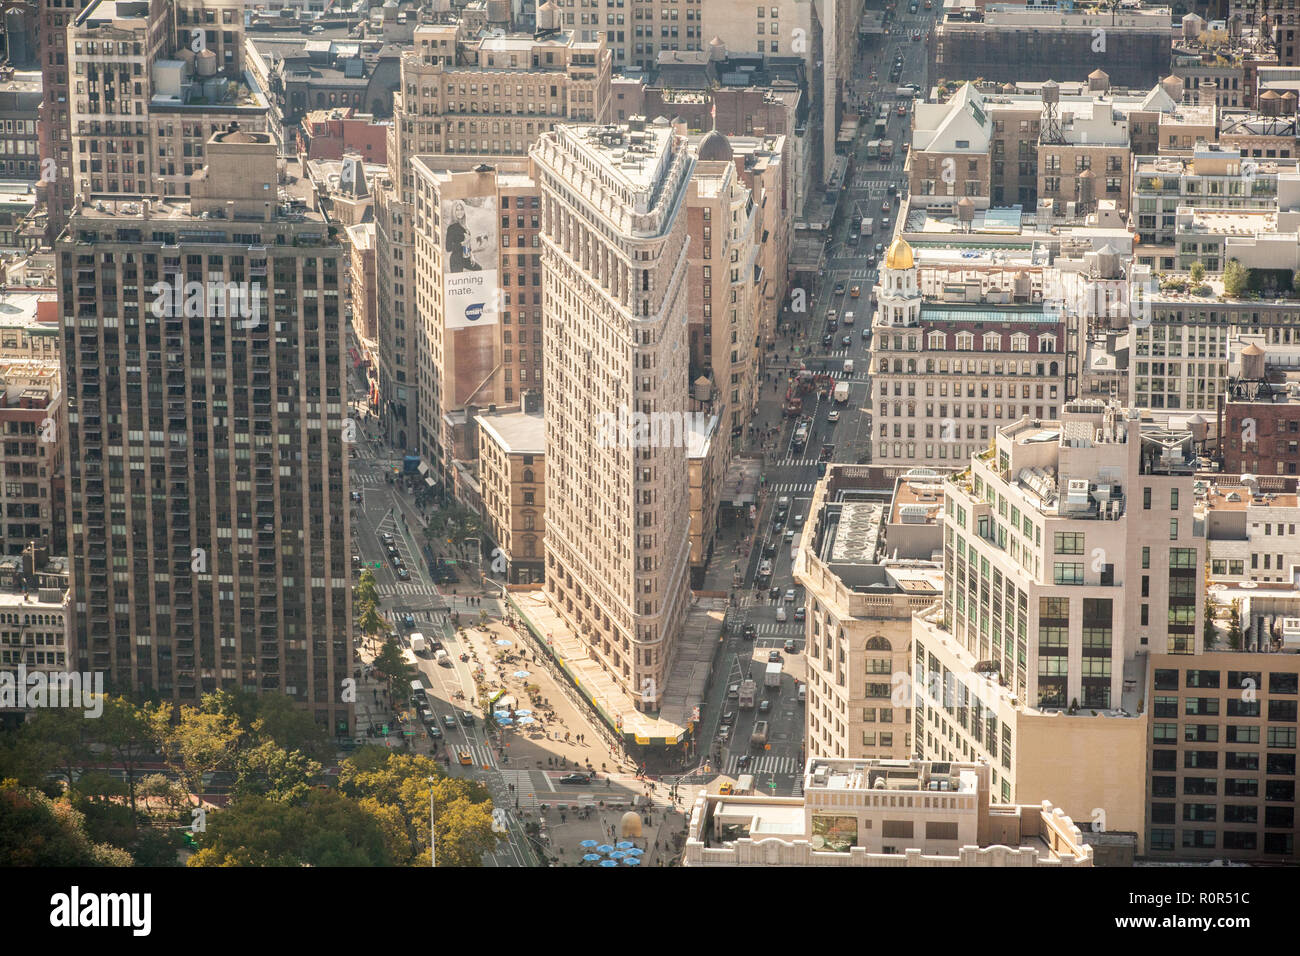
pixel 207 469
pixel 615 313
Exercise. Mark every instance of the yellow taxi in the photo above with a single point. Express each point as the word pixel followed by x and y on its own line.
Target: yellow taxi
pixel 725 789
pixel 855 292
pixel 466 760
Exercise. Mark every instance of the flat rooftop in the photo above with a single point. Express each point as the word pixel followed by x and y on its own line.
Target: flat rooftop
pixel 519 433
pixel 856 533
pixel 629 157
pixel 890 775
pixel 917 501
pixel 19 307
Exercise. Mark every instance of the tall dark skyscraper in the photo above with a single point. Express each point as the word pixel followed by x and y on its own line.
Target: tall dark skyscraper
pixel 208 521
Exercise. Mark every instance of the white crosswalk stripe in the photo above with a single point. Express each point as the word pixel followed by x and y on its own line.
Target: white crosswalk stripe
pixel 794 462
pixel 793 487
pixel 788 628
pixel 765 763
pixel 864 182
pixel 366 478
pixel 406 589
pixel 481 754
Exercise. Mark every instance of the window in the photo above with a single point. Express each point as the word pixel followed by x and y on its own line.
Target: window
pixel 1068 572
pixel 1069 542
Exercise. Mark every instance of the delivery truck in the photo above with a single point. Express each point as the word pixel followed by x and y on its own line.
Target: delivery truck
pixel 418 643
pixel 841 392
pixel 759 737
pixel 772 678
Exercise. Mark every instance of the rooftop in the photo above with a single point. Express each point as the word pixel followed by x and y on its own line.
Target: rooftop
pixel 518 433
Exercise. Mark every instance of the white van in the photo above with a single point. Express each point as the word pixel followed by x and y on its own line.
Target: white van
pixel 780 612
pixel 848 318
pixel 803 693
pixel 744 784
pixel 418 643
pixel 848 366
pixel 443 658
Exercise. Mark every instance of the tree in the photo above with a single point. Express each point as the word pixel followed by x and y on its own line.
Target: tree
pixel 366 592
pixel 159 786
pixel 38 831
pixel 282 722
pixel 62 736
pixel 268 770
pixel 371 623
pixel 196 743
pixel 1234 625
pixel 327 829
pixel 463 808
pixel 1197 273
pixel 125 731
pixel 1236 279
pixel 391 664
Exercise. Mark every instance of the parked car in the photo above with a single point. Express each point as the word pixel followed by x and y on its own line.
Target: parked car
pixel 764 706
pixel 789 595
pixel 827 339
pixel 775 593
pixel 403 574
pixel 839 288
pixel 733 691
pixel 789 644
pixel 356 496
pixel 774 656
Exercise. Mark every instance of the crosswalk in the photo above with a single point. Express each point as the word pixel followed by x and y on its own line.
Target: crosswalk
pixel 406 589
pixel 793 462
pixel 793 487
pixel 788 629
pixel 865 182
pixel 481 754
pixel 525 788
pixel 366 478
pixel 764 764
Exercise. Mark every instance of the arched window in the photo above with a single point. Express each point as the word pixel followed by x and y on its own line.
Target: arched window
pixel 1053 367
pixel 528 475
pixel 878 643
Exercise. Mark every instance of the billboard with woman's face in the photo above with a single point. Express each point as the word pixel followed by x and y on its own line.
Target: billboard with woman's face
pixel 470 240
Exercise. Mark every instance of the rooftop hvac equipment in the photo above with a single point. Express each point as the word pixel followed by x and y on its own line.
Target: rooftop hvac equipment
pixel 1076 495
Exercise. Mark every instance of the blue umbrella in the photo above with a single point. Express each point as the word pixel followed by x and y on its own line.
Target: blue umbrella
pixel 626 845
pixel 587 844
pixel 635 851
pixel 632 861
pixel 500 713
pixel 525 720
pixel 503 643
pixel 605 848
pixel 591 858
pixel 504 721
pixel 617 855
pixel 521 673
pixel 609 862
pixel 523 713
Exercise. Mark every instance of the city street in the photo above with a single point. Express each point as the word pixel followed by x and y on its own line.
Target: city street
pixel 792 473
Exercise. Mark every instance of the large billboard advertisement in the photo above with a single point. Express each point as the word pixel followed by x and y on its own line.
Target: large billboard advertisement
pixel 470 277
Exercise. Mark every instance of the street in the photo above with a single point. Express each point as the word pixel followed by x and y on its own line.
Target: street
pixel 790 472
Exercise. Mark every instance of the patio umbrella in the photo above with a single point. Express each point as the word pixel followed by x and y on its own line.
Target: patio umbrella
pixel 625 844
pixel 500 713
pixel 617 855
pixel 523 713
pixel 609 862
pixel 591 858
pixel 521 674
pixel 503 643
pixel 504 721
pixel 632 861
pixel 526 720
pixel 605 848
pixel 635 851
pixel 587 844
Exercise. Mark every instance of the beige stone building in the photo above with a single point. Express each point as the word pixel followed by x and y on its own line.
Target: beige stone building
pixel 705 459
pixel 31 456
pixel 1036 660
pixel 34 632
pixel 361 261
pixel 512 479
pixel 228 566
pixel 860 599
pixel 894 813
pixel 614 235
pixel 947 376
pixel 29 324
pixel 149 84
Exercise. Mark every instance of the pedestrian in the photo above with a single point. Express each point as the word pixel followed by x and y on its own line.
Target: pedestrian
pixel 562 818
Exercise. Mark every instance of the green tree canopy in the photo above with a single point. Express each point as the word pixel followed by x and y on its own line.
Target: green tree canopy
pixel 1236 279
pixel 38 831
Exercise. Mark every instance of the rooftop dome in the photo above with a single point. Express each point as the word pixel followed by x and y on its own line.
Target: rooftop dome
pixel 714 146
pixel 1252 349
pixel 899 255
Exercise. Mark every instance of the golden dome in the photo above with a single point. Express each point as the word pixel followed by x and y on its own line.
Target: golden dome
pixel 899 255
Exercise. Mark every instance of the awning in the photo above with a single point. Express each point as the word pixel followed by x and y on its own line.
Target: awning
pixel 429 481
